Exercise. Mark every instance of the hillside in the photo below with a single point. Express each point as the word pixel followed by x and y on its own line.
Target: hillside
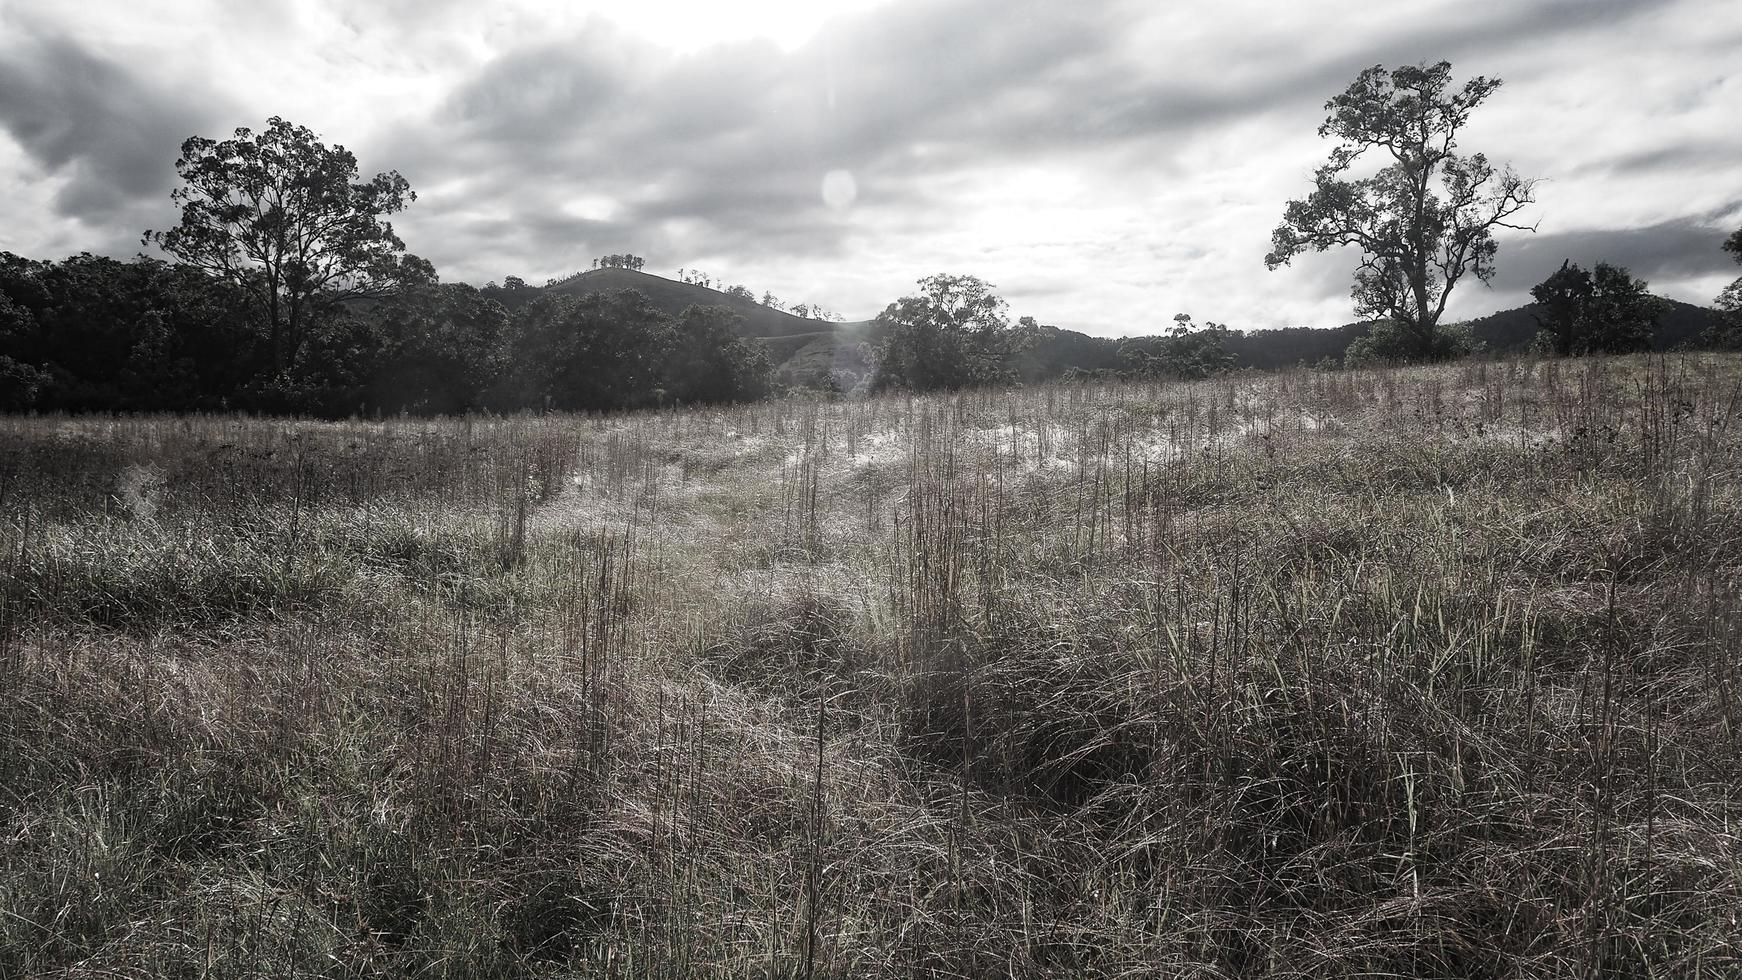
pixel 1512 330
pixel 672 296
pixel 801 350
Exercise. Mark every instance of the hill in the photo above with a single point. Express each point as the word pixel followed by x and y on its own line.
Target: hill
pixel 802 350
pixel 1679 324
pixel 672 297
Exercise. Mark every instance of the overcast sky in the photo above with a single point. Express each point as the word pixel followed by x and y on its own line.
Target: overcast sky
pixel 1106 164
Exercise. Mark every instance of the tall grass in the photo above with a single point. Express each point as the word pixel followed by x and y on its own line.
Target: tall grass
pixel 1423 672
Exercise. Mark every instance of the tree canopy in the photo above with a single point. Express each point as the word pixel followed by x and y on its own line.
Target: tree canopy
pixel 95 334
pixel 1605 311
pixel 1730 300
pixel 954 334
pixel 283 215
pixel 1426 218
pixel 1187 352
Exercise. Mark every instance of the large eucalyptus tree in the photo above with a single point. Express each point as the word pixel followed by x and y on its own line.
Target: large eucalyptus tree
pixel 284 216
pixel 1426 218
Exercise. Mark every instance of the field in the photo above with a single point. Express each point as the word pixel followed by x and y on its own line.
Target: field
pixel 1426 672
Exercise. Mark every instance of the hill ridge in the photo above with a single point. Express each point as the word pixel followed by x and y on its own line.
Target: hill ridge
pixel 801 348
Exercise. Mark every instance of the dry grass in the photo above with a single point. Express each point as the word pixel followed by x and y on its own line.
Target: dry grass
pixel 1427 672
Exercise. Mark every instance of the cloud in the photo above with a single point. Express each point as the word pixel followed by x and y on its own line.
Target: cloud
pixel 722 151
pixel 112 134
pixel 1107 163
pixel 1681 248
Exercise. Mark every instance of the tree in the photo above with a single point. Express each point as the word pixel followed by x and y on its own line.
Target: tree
pixel 283 215
pixel 707 360
pixel 593 352
pixel 1188 352
pixel 20 381
pixel 1607 311
pixel 92 333
pixel 440 349
pixel 1560 301
pixel 1425 219
pixel 954 334
pixel 1389 342
pixel 1621 315
pixel 1729 334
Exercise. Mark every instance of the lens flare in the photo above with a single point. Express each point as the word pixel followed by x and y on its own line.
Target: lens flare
pixel 840 190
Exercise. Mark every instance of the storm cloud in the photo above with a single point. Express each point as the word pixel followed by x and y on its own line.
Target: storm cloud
pixel 1107 164
pixel 112 133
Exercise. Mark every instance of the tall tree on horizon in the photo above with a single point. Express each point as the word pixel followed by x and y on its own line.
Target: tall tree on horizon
pixel 1427 217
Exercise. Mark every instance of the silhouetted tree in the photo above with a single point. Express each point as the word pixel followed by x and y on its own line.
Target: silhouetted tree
pixel 1560 301
pixel 1606 311
pixel 1426 218
pixel 592 352
pixel 620 261
pixel 282 215
pixel 20 381
pixel 708 361
pixel 439 349
pixel 1729 333
pixel 1621 315
pixel 93 333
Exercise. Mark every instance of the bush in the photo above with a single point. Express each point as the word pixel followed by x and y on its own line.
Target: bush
pixel 1386 342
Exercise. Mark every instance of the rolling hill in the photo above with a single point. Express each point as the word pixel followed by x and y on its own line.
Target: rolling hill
pixel 672 296
pixel 803 350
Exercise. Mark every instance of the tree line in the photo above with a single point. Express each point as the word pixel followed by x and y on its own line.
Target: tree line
pixel 96 334
pixel 290 292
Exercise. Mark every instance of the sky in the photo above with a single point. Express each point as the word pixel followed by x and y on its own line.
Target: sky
pixel 1106 164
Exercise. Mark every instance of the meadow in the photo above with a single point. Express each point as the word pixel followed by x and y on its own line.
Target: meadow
pixel 1416 672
